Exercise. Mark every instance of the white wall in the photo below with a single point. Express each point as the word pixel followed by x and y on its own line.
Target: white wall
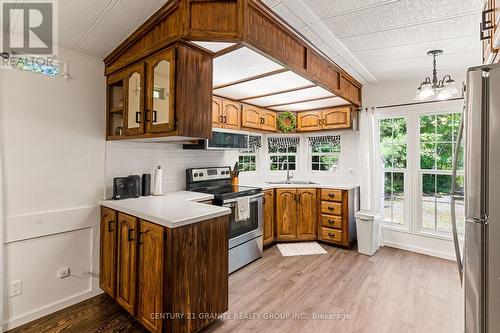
pixel 125 158
pixel 401 93
pixel 53 152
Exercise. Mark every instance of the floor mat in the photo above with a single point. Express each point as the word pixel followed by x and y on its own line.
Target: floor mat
pixel 300 249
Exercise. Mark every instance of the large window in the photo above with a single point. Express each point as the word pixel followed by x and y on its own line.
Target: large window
pixel 283 153
pixel 393 149
pixel 324 152
pixel 438 141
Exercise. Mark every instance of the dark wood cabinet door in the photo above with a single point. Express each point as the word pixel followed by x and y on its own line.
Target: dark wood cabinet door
pixel 286 214
pixel 150 274
pixel 306 213
pixel 231 114
pixel 268 199
pixel 127 262
pixel 107 271
pixel 337 117
pixel 160 92
pixel 309 121
pixel 133 100
pixel 217 113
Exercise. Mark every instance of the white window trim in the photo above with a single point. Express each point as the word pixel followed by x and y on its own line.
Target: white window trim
pixel 310 154
pixel 256 154
pixel 268 155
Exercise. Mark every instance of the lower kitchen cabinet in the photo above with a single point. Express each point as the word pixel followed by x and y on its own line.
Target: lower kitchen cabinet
pixel 313 214
pixel 296 214
pixel 126 262
pixel 268 206
pixel 107 270
pixel 159 270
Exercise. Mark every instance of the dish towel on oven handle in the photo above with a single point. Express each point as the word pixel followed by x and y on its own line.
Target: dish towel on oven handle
pixel 242 209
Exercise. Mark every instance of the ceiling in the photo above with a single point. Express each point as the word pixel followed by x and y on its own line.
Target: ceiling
pixel 373 40
pixel 388 40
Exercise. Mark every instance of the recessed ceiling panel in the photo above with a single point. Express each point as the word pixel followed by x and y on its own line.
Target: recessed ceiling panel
pixel 291 97
pixel 324 103
pixel 241 64
pixel 214 46
pixel 265 85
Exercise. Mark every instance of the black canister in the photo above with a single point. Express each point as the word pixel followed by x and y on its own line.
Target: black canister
pixel 146 184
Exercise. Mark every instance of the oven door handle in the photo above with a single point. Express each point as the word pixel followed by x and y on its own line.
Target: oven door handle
pixel 252 198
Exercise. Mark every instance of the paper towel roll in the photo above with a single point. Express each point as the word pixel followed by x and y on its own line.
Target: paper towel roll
pixel 158 182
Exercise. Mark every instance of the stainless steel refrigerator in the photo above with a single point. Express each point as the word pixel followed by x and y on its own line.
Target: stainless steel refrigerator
pixel 481 255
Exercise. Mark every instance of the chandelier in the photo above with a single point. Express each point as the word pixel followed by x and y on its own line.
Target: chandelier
pixel 442 89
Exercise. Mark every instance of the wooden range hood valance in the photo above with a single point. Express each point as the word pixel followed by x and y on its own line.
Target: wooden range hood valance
pixel 247 23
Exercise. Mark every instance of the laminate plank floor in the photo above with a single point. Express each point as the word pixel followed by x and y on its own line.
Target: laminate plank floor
pixel 394 291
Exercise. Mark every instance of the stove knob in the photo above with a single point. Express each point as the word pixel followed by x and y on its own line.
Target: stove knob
pixel 201 174
pixel 195 175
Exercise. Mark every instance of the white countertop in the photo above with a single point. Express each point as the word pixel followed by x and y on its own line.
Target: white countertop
pixel 171 210
pixel 267 186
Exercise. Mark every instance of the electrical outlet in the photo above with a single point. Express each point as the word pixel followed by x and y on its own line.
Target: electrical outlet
pixel 16 288
pixel 63 272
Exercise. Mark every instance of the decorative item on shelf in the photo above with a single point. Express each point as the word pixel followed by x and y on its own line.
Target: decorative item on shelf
pixel 286 122
pixel 443 89
pixel 118 131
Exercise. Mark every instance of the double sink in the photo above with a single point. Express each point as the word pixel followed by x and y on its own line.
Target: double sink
pixel 292 182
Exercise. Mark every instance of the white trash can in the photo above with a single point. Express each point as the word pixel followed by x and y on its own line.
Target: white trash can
pixel 368 230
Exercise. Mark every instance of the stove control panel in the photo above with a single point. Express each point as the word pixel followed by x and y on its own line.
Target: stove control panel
pixel 204 174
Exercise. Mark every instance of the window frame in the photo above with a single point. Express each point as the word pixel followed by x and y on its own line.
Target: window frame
pixel 244 154
pixel 310 155
pixel 270 155
pixel 406 225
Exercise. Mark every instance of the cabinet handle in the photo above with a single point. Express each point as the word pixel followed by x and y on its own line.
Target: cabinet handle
pixel 331 234
pixel 138 117
pixel 221 119
pixel 154 116
pixel 331 208
pixel 139 236
pixel 110 226
pixel 130 238
pixel 331 195
pixel 263 200
pixel 330 221
pixel 225 119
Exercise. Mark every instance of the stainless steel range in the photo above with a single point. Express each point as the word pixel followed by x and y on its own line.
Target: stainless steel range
pixel 245 235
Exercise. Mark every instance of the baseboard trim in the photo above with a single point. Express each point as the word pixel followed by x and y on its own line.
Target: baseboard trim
pixel 416 249
pixel 50 308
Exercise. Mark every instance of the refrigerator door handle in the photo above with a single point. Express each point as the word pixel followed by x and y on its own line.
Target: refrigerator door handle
pixel 454 196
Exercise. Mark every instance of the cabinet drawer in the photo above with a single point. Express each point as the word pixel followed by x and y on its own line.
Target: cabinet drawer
pixel 331 235
pixel 334 208
pixel 331 195
pixel 331 221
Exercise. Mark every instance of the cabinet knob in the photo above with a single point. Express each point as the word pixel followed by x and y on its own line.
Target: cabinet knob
pixel 331 234
pixel 330 221
pixel 331 208
pixel 331 195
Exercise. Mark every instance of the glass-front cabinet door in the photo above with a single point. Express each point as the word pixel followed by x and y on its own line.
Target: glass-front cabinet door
pixel 134 100
pixel 160 92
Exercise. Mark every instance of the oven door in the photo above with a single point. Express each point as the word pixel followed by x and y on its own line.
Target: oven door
pixel 245 230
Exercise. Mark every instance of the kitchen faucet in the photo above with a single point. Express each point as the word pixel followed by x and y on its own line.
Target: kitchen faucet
pixel 288 176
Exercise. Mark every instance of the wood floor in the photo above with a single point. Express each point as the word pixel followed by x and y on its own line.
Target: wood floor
pixel 394 291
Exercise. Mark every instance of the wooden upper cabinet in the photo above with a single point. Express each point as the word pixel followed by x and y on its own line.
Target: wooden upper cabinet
pixel 160 92
pixel 251 117
pixel 231 114
pixel 309 121
pixel 331 118
pixel 133 100
pixel 107 271
pixel 126 262
pixel 151 266
pixel 286 214
pixel 306 213
pixel 217 118
pixel 268 203
pixel 269 121
pixel 337 117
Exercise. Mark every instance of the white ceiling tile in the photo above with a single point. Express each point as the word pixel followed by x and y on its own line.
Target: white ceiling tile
pixel 287 15
pixel 241 64
pixel 324 8
pixel 271 3
pixel 324 103
pixel 122 20
pixel 311 36
pixel 291 97
pixel 213 46
pixel 277 82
